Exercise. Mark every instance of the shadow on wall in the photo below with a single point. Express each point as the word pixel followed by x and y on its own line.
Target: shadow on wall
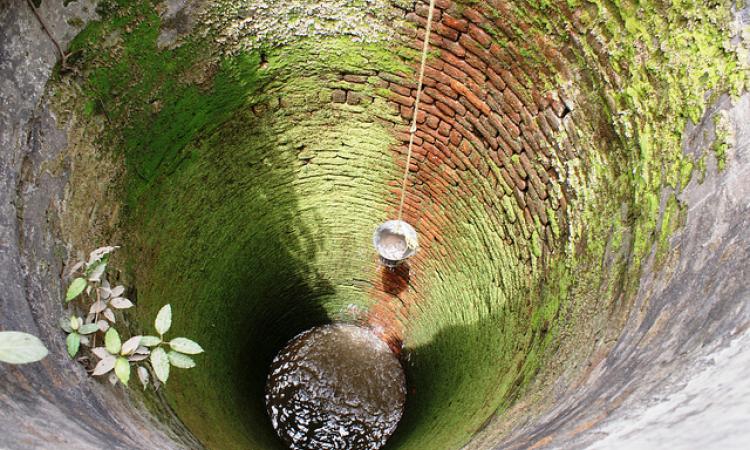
pixel 395 280
pixel 223 242
pixel 458 381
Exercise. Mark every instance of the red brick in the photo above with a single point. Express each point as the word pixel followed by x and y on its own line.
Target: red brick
pixel 404 137
pixel 453 72
pixel 445 109
pixel 446 90
pixel 462 66
pixel 502 56
pixel 511 127
pixel 402 90
pixel 432 110
pixel 507 178
pixel 466 128
pixel 505 135
pixel 466 147
pixel 477 50
pixel 474 15
pixel 470 96
pixel 457 24
pixel 444 129
pixel 426 135
pixel 477 89
pixel 424 9
pixel 439 96
pixel 495 79
pixel 428 81
pixel 541 101
pixel 487 133
pixel 480 36
pixel 437 75
pixel 475 62
pixel 446 32
pixel 455 106
pixel 551 119
pixel 456 137
pixel 454 47
pixel 475 159
pixel 401 99
pixel 509 113
pixel 435 39
pixel 513 101
pixel 521 75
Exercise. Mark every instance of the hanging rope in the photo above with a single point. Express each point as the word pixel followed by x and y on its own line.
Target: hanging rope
pixel 413 129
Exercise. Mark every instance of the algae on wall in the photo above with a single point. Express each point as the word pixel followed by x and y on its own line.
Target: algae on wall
pixel 250 197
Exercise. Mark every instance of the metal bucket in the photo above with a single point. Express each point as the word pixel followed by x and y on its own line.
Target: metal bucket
pixel 395 241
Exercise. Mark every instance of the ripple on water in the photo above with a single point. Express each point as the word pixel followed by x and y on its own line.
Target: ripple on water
pixel 335 387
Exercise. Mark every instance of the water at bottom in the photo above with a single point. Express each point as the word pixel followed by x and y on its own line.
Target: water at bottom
pixel 335 387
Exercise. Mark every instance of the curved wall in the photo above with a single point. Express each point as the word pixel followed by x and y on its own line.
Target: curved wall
pixel 583 251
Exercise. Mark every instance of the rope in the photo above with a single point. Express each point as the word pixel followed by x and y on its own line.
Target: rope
pixel 413 129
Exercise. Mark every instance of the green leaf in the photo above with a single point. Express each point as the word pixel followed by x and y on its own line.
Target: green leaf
pixel 74 323
pixel 97 272
pixel 101 254
pixel 89 328
pixel 65 325
pixel 122 370
pixel 180 360
pixel 74 342
pixel 112 341
pixel 160 362
pixel 150 341
pixel 20 348
pixel 95 268
pixel 75 289
pixel 163 319
pixel 143 376
pixel 185 345
pixel 129 346
pixel 105 365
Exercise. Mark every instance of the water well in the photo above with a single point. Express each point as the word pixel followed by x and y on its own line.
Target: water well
pixel 579 186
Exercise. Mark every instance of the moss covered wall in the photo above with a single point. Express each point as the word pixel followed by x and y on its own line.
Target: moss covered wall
pixel 546 165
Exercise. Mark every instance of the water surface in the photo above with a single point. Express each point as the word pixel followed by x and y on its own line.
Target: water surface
pixel 335 387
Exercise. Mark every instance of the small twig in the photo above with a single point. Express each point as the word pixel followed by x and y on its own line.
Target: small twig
pixel 96 320
pixel 63 56
pixel 104 108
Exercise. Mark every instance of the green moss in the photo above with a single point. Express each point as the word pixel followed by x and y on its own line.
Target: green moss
pixel 702 168
pixel 221 207
pixel 265 216
pixel 724 139
pixel 671 220
pixel 251 200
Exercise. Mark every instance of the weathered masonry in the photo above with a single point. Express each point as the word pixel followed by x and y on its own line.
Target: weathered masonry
pixel 579 186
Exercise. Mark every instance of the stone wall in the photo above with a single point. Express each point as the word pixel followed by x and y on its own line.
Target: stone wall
pixel 582 255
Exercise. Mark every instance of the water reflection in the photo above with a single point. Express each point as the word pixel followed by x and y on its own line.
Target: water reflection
pixel 335 387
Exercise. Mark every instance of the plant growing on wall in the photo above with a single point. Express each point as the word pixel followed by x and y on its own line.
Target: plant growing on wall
pixel 91 291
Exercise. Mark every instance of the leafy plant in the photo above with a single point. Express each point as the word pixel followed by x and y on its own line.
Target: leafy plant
pixel 180 347
pixel 118 355
pixel 91 291
pixel 94 290
pixel 20 348
pixel 77 332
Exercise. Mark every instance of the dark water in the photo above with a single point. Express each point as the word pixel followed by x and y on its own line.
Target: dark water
pixel 335 387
